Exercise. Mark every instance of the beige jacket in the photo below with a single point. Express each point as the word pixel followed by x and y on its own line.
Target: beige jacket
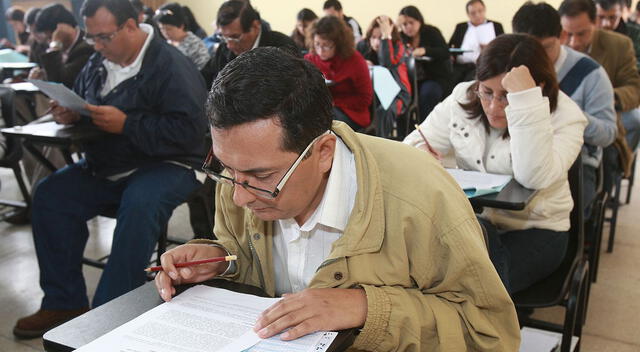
pixel 615 53
pixel 412 243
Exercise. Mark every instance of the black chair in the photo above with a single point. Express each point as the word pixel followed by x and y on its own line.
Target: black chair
pixel 569 284
pixel 631 177
pixel 594 226
pixel 13 211
pixel 614 201
pixel 411 115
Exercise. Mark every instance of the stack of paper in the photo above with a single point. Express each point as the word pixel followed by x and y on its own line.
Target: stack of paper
pixel 476 183
pixel 203 319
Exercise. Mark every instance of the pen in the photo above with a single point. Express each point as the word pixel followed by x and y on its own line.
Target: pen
pixel 197 262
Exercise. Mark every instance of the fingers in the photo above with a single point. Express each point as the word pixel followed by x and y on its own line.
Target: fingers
pixel 286 313
pixel 164 286
pixel 167 262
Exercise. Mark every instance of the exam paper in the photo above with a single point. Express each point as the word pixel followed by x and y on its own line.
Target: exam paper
pixel 63 95
pixel 201 318
pixel 384 85
pixel 469 180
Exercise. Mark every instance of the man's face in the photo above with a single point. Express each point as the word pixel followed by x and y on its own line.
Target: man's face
pixel 237 40
pixel 43 37
pixel 333 12
pixel 608 19
pixel 551 46
pixel 578 31
pixel 252 153
pixel 476 13
pixel 110 39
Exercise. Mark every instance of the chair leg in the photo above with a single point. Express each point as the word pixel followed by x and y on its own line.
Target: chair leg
pixel 597 245
pixel 631 178
pixel 23 187
pixel 615 204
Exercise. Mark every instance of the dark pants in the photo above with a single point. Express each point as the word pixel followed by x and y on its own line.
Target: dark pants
pixel 65 200
pixel 524 257
pixel 589 180
pixel 429 95
pixel 339 115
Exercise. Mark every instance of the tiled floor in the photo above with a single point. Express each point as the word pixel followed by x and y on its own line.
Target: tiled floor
pixel 613 319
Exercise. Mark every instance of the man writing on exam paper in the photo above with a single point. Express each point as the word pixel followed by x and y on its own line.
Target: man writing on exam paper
pixel 335 223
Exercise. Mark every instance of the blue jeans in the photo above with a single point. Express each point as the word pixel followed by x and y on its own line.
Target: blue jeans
pixel 524 257
pixel 631 122
pixel 64 201
pixel 429 95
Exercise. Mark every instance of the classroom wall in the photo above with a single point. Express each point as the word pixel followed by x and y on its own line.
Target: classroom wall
pixel 443 14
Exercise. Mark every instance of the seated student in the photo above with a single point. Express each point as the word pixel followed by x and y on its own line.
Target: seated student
pixel 241 29
pixel 149 99
pixel 191 24
pixel 472 35
pixel 382 46
pixel 425 42
pixel 513 120
pixel 68 51
pixel 344 68
pixel 303 21
pixel 334 8
pixel 580 77
pixel 171 21
pixel 339 222
pixel 609 17
pixel 36 49
pixel 15 17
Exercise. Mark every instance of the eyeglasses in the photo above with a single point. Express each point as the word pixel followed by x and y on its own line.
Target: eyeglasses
pixel 103 38
pixel 318 46
pixel 488 97
pixel 212 172
pixel 235 39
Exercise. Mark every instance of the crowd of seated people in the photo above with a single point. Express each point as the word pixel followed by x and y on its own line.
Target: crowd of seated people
pixel 526 104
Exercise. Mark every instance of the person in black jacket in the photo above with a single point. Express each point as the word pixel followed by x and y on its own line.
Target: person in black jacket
pixel 433 66
pixel 472 36
pixel 149 100
pixel 241 30
pixel 67 51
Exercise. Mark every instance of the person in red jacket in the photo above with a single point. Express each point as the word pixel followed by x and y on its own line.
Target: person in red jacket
pixel 344 69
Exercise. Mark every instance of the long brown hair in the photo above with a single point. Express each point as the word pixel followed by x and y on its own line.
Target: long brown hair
pixel 500 56
pixel 374 24
pixel 334 29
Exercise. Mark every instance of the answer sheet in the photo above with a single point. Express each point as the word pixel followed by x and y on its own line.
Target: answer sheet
pixel 469 180
pixel 201 318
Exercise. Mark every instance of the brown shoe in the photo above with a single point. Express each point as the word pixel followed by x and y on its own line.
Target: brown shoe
pixel 42 321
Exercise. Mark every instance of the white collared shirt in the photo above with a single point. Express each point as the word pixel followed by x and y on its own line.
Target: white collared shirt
pixel 117 74
pixel 474 37
pixel 298 251
pixel 257 42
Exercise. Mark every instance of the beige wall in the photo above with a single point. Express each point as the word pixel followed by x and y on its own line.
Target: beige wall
pixel 443 14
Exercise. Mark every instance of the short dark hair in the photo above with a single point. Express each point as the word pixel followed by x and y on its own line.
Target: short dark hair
pixel 573 8
pixel 608 4
pixel 540 20
pixel 306 15
pixel 52 15
pixel 137 5
pixel 230 10
pixel 335 4
pixel 413 12
pixel 14 13
pixel 334 29
pixel 500 56
pixel 171 14
pixel 471 2
pixel 122 10
pixel 31 15
pixel 286 87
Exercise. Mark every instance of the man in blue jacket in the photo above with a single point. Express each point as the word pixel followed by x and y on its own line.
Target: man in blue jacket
pixel 149 99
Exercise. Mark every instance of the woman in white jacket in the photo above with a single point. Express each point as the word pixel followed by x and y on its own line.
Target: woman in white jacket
pixel 514 120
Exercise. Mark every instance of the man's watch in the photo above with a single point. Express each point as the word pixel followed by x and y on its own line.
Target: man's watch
pixel 55 45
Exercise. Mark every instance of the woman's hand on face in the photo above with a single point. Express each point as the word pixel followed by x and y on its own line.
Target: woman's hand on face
pixel 386 26
pixel 518 79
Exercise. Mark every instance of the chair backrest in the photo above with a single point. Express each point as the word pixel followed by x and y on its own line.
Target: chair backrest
pixel 413 77
pixel 576 232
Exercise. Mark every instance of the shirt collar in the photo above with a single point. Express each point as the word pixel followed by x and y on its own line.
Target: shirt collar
pixel 257 42
pixel 562 57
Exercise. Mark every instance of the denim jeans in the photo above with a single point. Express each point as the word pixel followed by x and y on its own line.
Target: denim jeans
pixel 64 202
pixel 631 123
pixel 524 257
pixel 429 95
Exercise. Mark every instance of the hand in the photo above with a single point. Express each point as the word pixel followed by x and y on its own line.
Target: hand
pixel 64 34
pixel 36 73
pixel 62 115
pixel 386 26
pixel 435 153
pixel 369 63
pixel 108 118
pixel 518 79
pixel 417 52
pixel 5 43
pixel 313 310
pixel 171 276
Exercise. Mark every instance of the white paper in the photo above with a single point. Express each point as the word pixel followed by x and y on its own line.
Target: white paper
pixel 469 180
pixel 536 340
pixel 384 85
pixel 63 95
pixel 201 318
pixel 318 342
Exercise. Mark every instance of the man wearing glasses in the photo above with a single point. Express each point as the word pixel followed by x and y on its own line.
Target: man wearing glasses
pixel 338 223
pixel 241 30
pixel 149 99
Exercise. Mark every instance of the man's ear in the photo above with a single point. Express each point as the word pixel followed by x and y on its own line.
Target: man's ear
pixel 325 147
